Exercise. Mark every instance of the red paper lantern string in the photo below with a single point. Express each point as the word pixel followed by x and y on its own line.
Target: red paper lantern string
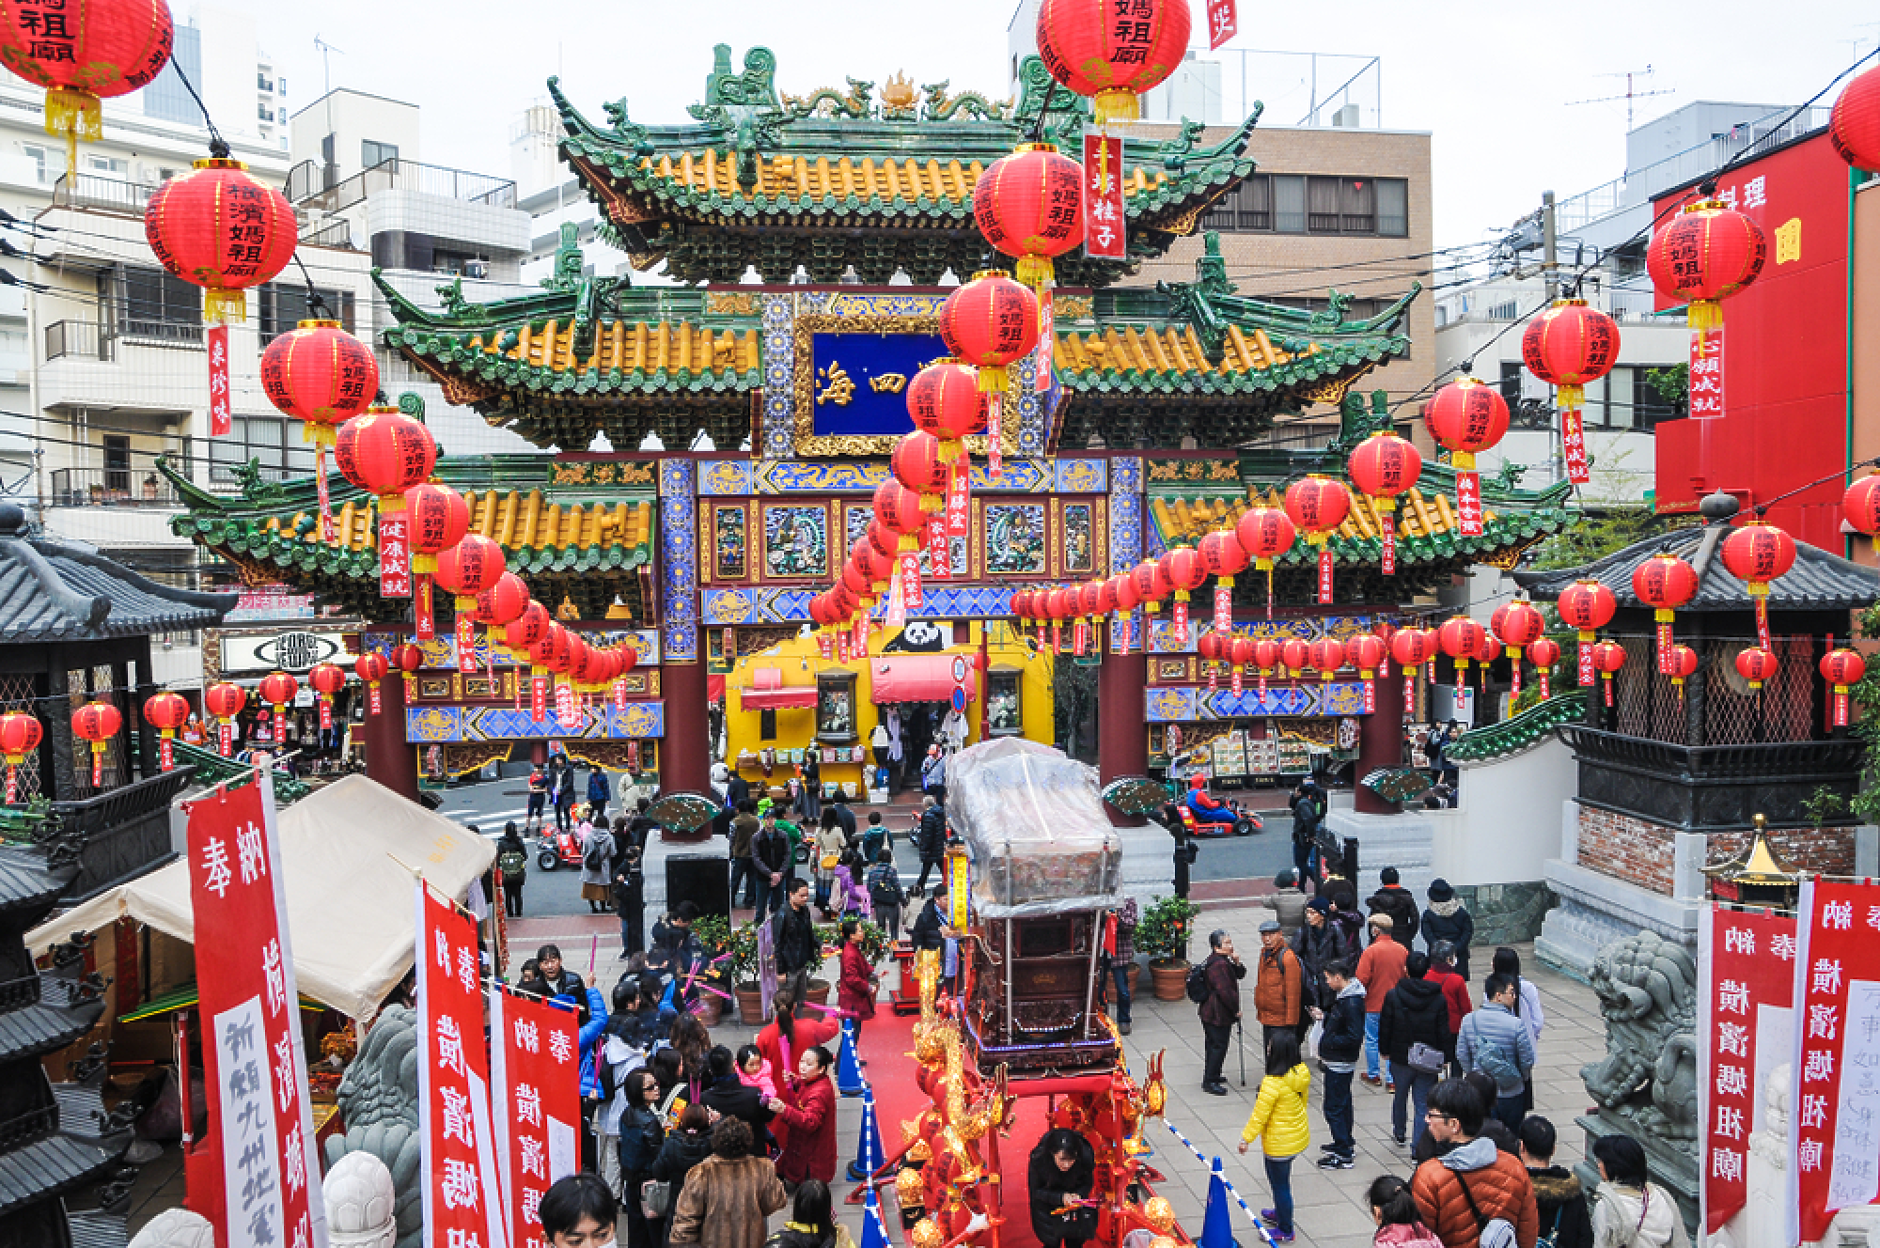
pixel 1756 554
pixel 1586 606
pixel 322 376
pixel 990 323
pixel 20 735
pixel 1665 583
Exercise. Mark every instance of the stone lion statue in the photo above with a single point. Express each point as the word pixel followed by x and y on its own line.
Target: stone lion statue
pixel 1647 991
pixel 379 1100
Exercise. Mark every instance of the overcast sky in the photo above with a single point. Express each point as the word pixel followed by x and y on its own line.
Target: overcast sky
pixel 1491 81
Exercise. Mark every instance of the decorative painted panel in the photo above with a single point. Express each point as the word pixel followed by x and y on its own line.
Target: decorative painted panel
pixel 796 541
pixel 1080 476
pixel 779 376
pixel 441 651
pixel 433 725
pixel 1125 525
pixel 678 608
pixel 1012 537
pixel 1078 538
pixel 779 605
pixel 794 476
pixel 730 541
pixel 1176 704
pixel 728 478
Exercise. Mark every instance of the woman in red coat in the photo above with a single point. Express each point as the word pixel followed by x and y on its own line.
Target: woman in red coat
pixel 810 1113
pixel 855 991
pixel 799 1033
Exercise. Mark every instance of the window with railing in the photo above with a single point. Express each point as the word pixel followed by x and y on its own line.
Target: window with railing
pixel 284 306
pixel 278 451
pixel 1284 203
pixel 83 339
pixel 149 303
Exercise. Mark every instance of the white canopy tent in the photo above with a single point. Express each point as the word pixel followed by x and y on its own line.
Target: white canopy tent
pixel 347 853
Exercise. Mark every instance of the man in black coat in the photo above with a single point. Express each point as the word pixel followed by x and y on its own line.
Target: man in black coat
pixel 1340 1047
pixel 1399 903
pixel 926 932
pixel 1415 1012
pixel 793 937
pixel 1447 919
pixel 933 838
pixel 1221 1011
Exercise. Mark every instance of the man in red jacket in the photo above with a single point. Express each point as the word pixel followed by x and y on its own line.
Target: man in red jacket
pixel 810 1113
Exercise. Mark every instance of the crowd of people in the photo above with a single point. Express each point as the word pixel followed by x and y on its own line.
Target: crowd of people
pixel 1459 1071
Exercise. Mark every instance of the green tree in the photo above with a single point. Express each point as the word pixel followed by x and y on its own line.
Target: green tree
pixel 1596 536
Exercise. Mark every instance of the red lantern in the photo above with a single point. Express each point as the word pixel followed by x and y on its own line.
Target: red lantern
pixel 990 322
pixel 96 722
pixel 371 668
pixel 1756 554
pixel 1608 657
pixel 222 703
pixel 1664 582
pixel 1681 666
pixel 1213 648
pixel 222 230
pixel 1461 639
pixel 1367 652
pixel 1756 665
pixel 1487 650
pixel 1296 655
pixel 1239 654
pixel 1030 205
pixel 1517 623
pixel 20 735
pixel 1843 669
pixel 1152 584
pixel 503 602
pixel 898 509
pixel 166 712
pixel 1382 467
pixel 473 565
pixel 1267 656
pixel 1265 534
pixel 1184 570
pixel 96 48
pixel 1861 504
pixel 944 400
pixel 320 375
pixel 386 452
pixel 1326 656
pixel 1413 647
pixel 1222 556
pixel 437 517
pixel 1466 417
pixel 1570 346
pixel 1704 255
pixel 1543 653
pixel 1586 606
pixel 327 679
pixel 917 465
pixel 1854 126
pixel 1317 506
pixel 277 690
pixel 877 567
pixel 1112 61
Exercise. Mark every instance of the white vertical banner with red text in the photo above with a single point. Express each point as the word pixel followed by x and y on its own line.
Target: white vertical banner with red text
pixel 535 1056
pixel 1745 1029
pixel 1834 1126
pixel 253 1056
pixel 462 1200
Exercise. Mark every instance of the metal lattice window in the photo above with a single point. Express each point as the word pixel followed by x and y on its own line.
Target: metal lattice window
pixel 17 693
pixel 1648 705
pixel 100 688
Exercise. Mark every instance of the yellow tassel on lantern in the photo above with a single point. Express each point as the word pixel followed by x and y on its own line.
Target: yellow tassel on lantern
pixel 221 306
pixel 1115 104
pixel 76 115
pixel 1462 461
pixel 993 379
pixel 1704 314
pixel 1571 398
pixel 1035 272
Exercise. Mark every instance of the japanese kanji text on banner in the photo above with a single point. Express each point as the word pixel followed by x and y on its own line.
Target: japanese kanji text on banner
pixel 1746 984
pixel 253 1056
pixel 536 1056
pixel 1834 1131
pixel 462 1204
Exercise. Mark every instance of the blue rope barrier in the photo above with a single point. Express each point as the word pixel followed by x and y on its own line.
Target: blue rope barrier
pixel 1226 1183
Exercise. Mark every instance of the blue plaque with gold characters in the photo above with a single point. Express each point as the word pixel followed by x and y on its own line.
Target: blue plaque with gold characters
pixel 860 381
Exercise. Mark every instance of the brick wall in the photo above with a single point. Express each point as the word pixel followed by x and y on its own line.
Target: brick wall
pixel 1641 852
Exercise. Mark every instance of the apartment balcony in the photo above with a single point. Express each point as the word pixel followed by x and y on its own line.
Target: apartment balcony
pixel 109 487
pixel 311 185
pixel 142 368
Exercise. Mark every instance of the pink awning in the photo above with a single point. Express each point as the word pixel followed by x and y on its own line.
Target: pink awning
pixel 919 678
pixel 777 699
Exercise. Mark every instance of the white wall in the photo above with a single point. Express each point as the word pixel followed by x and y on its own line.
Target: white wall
pixel 1507 821
pixel 353 117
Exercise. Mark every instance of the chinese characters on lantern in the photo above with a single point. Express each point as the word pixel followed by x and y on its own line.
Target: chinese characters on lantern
pixel 1104 227
pixel 256 1067
pixel 461 1203
pixel 1707 374
pixel 534 1052
pixel 219 423
pixel 1751 961
pixel 1835 1127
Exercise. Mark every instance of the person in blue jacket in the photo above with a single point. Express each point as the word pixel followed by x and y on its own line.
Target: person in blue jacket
pixel 593 1026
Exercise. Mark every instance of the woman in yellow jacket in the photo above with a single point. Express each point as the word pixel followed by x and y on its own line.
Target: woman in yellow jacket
pixel 1279 1122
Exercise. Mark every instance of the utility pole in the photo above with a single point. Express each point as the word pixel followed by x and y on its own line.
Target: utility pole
pixel 1550 268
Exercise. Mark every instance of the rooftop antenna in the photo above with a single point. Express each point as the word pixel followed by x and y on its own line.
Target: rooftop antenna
pixel 1632 92
pixel 326 65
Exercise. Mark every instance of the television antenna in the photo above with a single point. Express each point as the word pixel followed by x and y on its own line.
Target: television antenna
pixel 1632 79
pixel 326 65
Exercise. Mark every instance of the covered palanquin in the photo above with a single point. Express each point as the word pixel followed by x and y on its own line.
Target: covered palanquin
pixel 1046 869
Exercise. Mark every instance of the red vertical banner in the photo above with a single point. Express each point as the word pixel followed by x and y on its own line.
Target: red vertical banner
pixel 620 694
pixel 328 531
pixel 462 1203
pixel 959 498
pixel 1585 649
pixel 939 552
pixel 1223 610
pixel 1746 963
pixel 1105 236
pixel 538 698
pixel 423 614
pixel 1387 563
pixel 911 597
pixel 394 554
pixel 1706 377
pixel 1046 359
pixel 1325 575
pixel 565 713
pixel 219 397
pixel 1573 446
pixel 1836 1055
pixel 535 1061
pixel 1469 503
pixel 253 1054
pixel 466 638
pixel 1223 23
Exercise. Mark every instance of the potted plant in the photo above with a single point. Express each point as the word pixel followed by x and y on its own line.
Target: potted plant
pixel 742 967
pixel 715 940
pixel 1163 935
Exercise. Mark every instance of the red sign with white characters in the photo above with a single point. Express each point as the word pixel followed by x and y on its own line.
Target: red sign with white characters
pixel 466 639
pixel 959 498
pixel 1223 23
pixel 1104 229
pixel 253 1055
pixel 1325 574
pixel 1469 503
pixel 462 1202
pixel 1750 961
pixel 1707 374
pixel 394 555
pixel 565 712
pixel 911 598
pixel 219 395
pixel 1573 446
pixel 939 552
pixel 1045 360
pixel 1834 1129
pixel 536 1059
pixel 538 698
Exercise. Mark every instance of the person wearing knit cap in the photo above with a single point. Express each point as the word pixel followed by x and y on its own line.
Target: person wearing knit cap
pixel 1445 918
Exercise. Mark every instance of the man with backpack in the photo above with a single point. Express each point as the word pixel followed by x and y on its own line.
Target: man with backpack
pixel 1474 1195
pixel 885 895
pixel 1215 987
pixel 1495 1042
pixel 512 864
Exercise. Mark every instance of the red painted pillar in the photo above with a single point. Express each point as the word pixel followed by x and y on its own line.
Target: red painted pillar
pixel 390 759
pixel 685 753
pixel 1380 742
pixel 1122 736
